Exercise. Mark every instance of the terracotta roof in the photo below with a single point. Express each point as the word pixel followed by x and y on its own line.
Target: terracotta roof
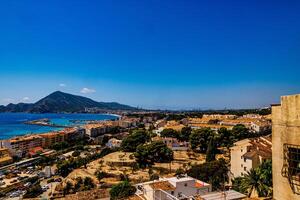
pixel 162 185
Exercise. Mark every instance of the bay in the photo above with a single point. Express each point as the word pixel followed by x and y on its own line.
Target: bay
pixel 12 124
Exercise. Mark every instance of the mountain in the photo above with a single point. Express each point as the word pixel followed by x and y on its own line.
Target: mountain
pixel 58 102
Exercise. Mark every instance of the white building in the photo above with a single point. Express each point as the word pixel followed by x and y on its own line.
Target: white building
pixel 113 143
pixel 249 153
pixel 172 188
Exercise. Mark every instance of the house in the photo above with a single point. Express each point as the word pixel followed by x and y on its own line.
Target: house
pixel 260 125
pixel 286 148
pixel 180 187
pixel 173 143
pixel 249 153
pixel 113 143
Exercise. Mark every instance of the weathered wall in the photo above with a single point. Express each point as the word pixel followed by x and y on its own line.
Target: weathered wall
pixel 286 129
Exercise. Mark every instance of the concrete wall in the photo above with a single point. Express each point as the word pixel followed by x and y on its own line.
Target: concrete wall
pixel 286 129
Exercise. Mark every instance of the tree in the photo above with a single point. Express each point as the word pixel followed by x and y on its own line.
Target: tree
pixel 137 138
pixel 179 172
pixel 100 174
pixel 215 173
pixel 156 151
pixel 185 133
pixel 258 180
pixel 34 191
pixel 199 138
pixel 226 138
pixel 211 151
pixel 240 132
pixel 168 132
pixel 67 189
pixel 76 153
pixel 88 183
pixel 122 190
pixel 78 184
pixel 154 176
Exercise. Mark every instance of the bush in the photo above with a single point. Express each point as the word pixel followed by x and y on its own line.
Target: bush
pixel 154 177
pixel 76 153
pixel 122 190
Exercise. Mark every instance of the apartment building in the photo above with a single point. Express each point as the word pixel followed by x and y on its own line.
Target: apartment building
pixel 20 146
pixel 286 148
pixel 68 134
pixel 95 130
pixel 219 116
pixel 249 153
pixel 180 187
pixel 5 157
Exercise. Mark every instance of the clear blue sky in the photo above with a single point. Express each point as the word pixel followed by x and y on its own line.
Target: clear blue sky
pixel 151 53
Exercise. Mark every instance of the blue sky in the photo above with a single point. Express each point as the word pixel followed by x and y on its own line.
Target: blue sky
pixel 153 54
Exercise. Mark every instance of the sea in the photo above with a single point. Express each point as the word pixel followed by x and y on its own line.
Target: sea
pixel 13 124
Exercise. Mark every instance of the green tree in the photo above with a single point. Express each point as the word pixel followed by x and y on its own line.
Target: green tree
pixel 68 188
pixel 168 132
pixel 179 172
pixel 185 133
pixel 122 190
pixel 215 173
pixel 88 183
pixel 76 153
pixel 258 180
pixel 78 184
pixel 154 176
pixel 240 132
pixel 100 175
pixel 156 151
pixel 226 138
pixel 211 151
pixel 199 138
pixel 130 143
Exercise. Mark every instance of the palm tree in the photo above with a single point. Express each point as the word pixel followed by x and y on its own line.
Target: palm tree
pixel 254 183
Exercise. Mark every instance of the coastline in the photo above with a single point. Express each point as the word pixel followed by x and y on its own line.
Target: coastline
pixel 16 124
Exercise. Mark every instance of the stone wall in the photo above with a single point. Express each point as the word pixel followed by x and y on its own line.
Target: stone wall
pixel 285 130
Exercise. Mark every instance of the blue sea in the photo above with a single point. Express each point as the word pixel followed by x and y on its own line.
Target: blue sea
pixel 12 124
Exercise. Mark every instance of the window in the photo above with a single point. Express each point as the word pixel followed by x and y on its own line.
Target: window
pixel 185 185
pixel 245 168
pixel 241 150
pixel 291 166
pixel 179 194
pixel 172 192
pixel 245 159
pixel 241 165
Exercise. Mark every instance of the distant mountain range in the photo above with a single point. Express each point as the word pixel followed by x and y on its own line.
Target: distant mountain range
pixel 59 102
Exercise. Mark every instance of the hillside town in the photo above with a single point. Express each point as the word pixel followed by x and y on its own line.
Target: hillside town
pixel 152 155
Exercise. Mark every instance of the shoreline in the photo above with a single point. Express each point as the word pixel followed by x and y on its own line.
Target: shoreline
pixel 41 123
